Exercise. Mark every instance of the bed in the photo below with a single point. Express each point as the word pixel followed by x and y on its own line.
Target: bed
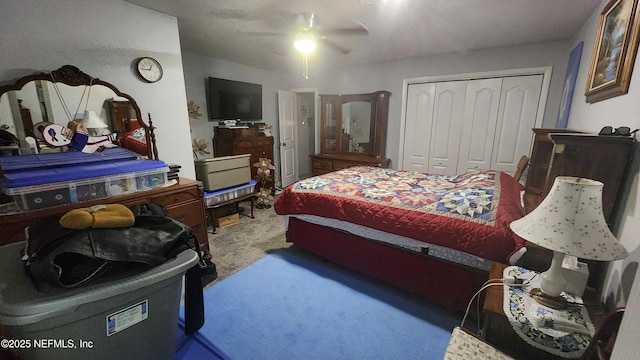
pixel 135 139
pixel 430 234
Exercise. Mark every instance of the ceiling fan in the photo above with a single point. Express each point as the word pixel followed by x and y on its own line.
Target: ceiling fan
pixel 307 34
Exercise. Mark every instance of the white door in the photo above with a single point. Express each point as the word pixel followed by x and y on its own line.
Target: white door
pixel 419 117
pixel 480 116
pixel 448 111
pixel 516 117
pixel 287 131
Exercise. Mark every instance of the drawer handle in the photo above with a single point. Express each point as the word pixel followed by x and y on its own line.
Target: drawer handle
pixel 181 217
pixel 264 153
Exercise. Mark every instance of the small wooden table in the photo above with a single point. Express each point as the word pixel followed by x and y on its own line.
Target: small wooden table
pixel 498 331
pixel 211 209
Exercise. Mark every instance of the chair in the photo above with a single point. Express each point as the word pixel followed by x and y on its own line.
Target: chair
pixel 601 346
pixel 465 345
pixel 521 167
pixel 33 146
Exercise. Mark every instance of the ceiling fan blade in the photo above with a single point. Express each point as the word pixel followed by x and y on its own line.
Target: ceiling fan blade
pixel 235 14
pixel 335 47
pixel 307 20
pixel 344 32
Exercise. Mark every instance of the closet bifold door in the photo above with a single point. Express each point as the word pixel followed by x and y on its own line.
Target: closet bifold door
pixel 448 111
pixel 516 117
pixel 433 125
pixel 453 127
pixel 417 130
pixel 479 124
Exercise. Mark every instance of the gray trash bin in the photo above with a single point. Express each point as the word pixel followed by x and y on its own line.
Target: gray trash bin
pixel 131 316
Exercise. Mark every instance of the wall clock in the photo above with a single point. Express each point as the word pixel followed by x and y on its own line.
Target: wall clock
pixel 149 69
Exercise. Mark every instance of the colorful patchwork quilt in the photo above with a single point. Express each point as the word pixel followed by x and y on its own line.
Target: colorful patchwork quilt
pixel 469 212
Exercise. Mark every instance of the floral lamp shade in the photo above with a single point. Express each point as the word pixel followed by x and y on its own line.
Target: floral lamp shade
pixel 570 220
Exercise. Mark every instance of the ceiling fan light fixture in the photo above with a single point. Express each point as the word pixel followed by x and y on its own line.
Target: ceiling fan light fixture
pixel 305 43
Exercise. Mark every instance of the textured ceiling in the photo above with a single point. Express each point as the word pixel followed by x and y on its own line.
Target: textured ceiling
pixel 398 29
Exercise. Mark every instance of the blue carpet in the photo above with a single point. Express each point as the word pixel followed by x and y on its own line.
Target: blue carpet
pixel 287 307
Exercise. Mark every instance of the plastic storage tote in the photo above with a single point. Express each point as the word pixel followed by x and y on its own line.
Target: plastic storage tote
pixel 40 188
pixel 223 172
pixel 215 197
pixel 123 317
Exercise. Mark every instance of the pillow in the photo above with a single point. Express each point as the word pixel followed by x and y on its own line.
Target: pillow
pixel 135 141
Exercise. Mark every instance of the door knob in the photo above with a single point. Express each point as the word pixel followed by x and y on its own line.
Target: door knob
pixel 284 144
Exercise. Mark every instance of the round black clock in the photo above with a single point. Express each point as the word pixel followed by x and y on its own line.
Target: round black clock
pixel 149 69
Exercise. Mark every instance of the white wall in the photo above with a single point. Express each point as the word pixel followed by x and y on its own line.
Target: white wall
pixel 198 68
pixel 623 286
pixel 103 38
pixel 390 75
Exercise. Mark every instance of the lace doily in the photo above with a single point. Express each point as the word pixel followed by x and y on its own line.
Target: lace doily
pixel 565 333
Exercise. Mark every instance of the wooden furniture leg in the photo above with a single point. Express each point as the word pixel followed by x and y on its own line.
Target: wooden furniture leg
pixel 211 210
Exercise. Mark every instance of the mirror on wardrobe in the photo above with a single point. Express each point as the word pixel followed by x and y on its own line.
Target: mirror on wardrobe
pixel 354 123
pixel 66 94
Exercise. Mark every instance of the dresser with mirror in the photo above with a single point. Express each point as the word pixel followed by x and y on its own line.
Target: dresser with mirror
pixel 353 131
pixel 65 94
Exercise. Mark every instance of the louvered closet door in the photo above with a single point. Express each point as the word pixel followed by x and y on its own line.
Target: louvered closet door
pixel 479 124
pixel 516 117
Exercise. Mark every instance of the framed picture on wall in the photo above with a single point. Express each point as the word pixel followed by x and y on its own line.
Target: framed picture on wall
pixel 614 51
pixel 569 86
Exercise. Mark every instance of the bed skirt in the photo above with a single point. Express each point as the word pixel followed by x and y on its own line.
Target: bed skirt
pixel 444 283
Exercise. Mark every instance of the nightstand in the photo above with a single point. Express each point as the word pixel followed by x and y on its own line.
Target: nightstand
pixel 498 331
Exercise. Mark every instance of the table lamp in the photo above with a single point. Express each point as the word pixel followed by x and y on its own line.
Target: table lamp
pixel 568 221
pixel 94 124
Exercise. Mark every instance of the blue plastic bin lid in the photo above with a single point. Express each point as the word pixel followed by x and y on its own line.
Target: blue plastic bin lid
pixel 81 171
pixel 59 159
pixel 229 189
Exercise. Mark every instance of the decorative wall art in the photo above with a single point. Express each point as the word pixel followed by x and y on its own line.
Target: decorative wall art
pixel 614 51
pixel 569 86
pixel 200 147
pixel 194 110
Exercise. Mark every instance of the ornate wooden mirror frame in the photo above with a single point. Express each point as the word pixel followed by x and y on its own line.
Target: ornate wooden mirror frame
pixel 12 108
pixel 364 130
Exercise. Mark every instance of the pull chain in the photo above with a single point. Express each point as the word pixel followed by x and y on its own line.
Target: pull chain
pixel 305 62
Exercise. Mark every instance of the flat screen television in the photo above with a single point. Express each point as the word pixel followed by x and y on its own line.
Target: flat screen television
pixel 232 100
